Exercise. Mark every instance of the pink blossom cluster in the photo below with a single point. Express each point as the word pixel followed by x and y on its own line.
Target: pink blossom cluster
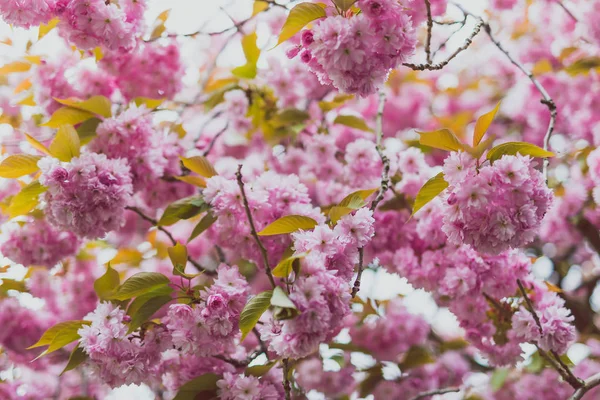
pixel 334 384
pixel 92 23
pixel 115 356
pixel 27 13
pixel 270 196
pixel 322 292
pixel 494 207
pixel 418 11
pixel 356 54
pixel 210 327
pixel 36 242
pixel 240 387
pixel 150 70
pixel 87 195
pixel 131 136
pixel 388 337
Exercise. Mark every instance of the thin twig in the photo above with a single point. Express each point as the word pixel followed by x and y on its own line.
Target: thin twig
pixel 262 248
pixel 214 140
pixel 546 99
pixel 286 381
pixel 434 392
pixel 438 66
pixel 588 385
pixel 530 306
pixel 429 29
pixel 445 42
pixel 385 179
pixel 573 17
pixel 356 286
pixel 263 347
pixel 169 235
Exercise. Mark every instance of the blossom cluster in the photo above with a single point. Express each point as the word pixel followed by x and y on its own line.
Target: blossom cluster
pixel 356 54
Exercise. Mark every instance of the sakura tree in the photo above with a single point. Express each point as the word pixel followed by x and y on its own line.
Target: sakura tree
pixel 334 199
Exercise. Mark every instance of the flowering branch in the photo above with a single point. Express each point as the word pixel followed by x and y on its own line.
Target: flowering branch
pixel 440 65
pixel 588 385
pixel 434 392
pixel 556 362
pixel 169 235
pixel 253 232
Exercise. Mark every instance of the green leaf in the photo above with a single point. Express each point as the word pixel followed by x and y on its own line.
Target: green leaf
pixel 254 308
pixel 252 53
pixel 77 357
pixel 11 284
pixel 299 16
pixel 344 5
pixel 148 102
pixel 288 224
pixel 191 389
pixel 281 299
pixel 203 225
pixel 289 116
pixel 59 336
pixel 87 130
pixel 337 212
pixel 199 165
pixel 98 105
pixel 26 200
pixel 512 148
pixel 139 284
pixel 259 370
pixel 483 123
pixel 66 144
pixel 144 307
pixel 416 356
pixel 583 66
pixel 498 378
pixel 178 254
pixel 337 101
pixel 37 145
pixel 107 284
pixel 442 139
pixel 429 191
pixel 287 265
pixel 67 116
pixel 18 165
pixel 183 209
pixel 353 122
pixel 352 202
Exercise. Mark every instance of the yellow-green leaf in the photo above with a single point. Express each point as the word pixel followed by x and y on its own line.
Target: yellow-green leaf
pixel 299 16
pixel 583 66
pixel 344 5
pixel 287 265
pixel 160 24
pixel 87 130
pixel 259 370
pixel 27 101
pixel 66 144
pixel 37 145
pixel 281 299
pixel 77 357
pixel 59 336
pixel 192 180
pixel 26 200
pixel 199 165
pixel 18 165
pixel 203 383
pixel 45 28
pixel 98 105
pixel 259 6
pixel 512 148
pixel 337 212
pixel 148 102
pixel 254 308
pixel 17 66
pixel 288 224
pixel 337 101
pixel 107 284
pixel 353 122
pixel 139 284
pixel 429 191
pixel 178 254
pixel 183 209
pixel 483 123
pixel 144 307
pixel 252 53
pixel 442 139
pixel 351 199
pixel 203 225
pixel 67 116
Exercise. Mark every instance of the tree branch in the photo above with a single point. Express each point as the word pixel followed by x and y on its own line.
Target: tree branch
pixel 286 381
pixel 169 235
pixel 588 385
pixel 434 392
pixel 262 248
pixel 429 29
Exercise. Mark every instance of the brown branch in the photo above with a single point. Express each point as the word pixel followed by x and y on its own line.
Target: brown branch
pixel 440 65
pixel 169 235
pixel 434 392
pixel 214 140
pixel 445 42
pixel 588 385
pixel 573 17
pixel 286 381
pixel 262 248
pixel 356 286
pixel 429 29
pixel 385 179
